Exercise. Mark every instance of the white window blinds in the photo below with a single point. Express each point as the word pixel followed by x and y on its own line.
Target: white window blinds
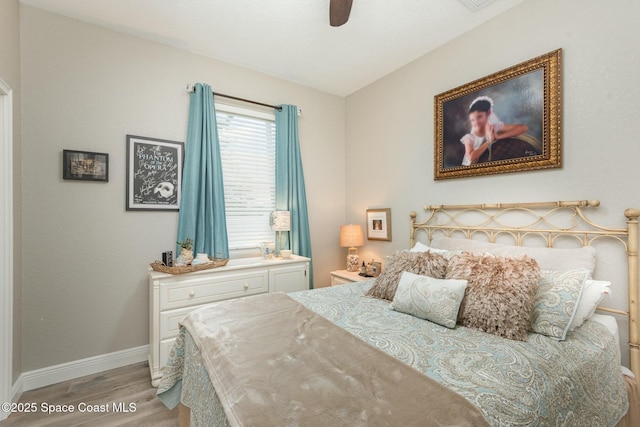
pixel 248 153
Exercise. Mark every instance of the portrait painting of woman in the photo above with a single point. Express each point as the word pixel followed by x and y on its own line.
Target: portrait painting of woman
pixel 497 123
pixel 505 122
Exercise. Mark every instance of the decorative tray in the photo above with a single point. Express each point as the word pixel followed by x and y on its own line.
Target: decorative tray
pixel 215 262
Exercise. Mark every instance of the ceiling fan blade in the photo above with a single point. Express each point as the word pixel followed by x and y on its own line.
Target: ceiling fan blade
pixel 339 11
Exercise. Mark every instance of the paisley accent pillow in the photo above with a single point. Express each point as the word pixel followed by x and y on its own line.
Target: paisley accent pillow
pixel 499 295
pixel 424 263
pixel 437 300
pixel 556 301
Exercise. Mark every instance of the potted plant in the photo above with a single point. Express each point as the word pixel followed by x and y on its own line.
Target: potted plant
pixel 186 249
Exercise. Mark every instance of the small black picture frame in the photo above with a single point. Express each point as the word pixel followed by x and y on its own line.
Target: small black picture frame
pixel 85 166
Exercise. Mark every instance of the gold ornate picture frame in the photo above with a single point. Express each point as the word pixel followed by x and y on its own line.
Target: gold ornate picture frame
pixel 506 122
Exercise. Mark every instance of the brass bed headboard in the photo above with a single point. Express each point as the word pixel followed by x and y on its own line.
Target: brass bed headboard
pixel 550 222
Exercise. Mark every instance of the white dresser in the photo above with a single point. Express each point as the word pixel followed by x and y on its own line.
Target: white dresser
pixel 171 297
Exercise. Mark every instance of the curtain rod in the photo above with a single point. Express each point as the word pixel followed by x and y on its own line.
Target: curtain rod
pixel 191 88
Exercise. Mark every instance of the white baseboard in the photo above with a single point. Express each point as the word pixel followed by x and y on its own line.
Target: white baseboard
pixel 17 389
pixel 79 368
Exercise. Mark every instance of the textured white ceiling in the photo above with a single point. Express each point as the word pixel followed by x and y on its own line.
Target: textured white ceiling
pixel 291 39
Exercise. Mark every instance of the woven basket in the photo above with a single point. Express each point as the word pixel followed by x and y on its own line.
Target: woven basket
pixel 215 262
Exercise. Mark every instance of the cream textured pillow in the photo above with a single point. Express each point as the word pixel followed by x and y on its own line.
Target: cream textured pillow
pixel 423 263
pixel 436 300
pixel 499 294
pixel 556 301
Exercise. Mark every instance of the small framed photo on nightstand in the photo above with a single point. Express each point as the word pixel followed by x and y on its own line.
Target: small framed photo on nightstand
pixel 376 269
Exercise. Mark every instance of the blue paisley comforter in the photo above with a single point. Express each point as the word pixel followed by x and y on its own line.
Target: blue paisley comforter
pixel 540 382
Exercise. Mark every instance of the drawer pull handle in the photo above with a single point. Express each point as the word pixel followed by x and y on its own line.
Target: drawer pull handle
pixel 246 286
pixel 192 294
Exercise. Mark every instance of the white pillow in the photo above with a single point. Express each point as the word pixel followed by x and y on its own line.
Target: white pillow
pixel 593 292
pixel 553 259
pixel 421 247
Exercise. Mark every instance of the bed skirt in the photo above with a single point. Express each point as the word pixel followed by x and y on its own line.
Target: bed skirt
pixel 631 418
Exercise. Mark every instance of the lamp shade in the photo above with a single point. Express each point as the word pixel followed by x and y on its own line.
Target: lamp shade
pixel 280 220
pixel 351 236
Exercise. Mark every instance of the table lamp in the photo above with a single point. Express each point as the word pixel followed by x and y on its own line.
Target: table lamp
pixel 352 236
pixel 280 221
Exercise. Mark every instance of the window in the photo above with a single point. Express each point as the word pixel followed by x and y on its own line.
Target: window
pixel 248 154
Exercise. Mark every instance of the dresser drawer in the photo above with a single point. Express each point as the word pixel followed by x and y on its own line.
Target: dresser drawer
pixel 201 290
pixel 170 321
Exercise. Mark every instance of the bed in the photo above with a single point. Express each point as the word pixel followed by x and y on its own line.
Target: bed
pixel 537 380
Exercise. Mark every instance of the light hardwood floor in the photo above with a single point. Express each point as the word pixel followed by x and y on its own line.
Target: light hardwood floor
pixel 123 386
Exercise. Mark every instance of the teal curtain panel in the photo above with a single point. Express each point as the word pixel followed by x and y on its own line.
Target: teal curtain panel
pixel 290 190
pixel 202 212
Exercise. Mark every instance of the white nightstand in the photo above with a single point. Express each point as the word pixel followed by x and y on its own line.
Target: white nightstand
pixel 340 277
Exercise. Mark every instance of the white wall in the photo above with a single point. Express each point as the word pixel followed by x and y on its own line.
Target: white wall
pixel 390 126
pixel 10 73
pixel 85 257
